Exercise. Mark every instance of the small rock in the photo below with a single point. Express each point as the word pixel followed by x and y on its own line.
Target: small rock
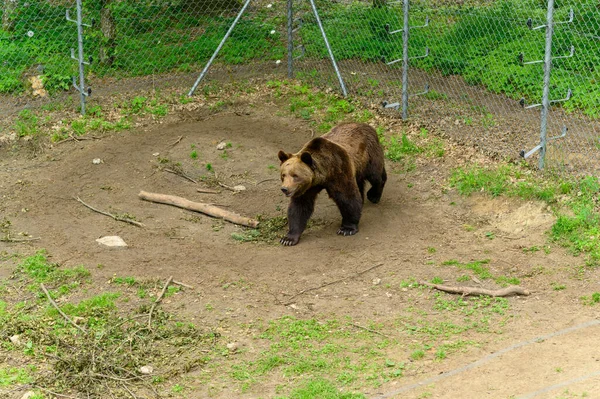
pixel 376 281
pixel 112 242
pixel 146 369
pixel 294 306
pixel 156 154
pixel 232 346
pixel 222 145
pixel 37 85
pixel 388 294
pixel 15 339
pixel 97 161
pixel 239 188
pixel 28 394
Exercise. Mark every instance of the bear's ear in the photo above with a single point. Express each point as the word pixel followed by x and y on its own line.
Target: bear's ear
pixel 283 156
pixel 307 159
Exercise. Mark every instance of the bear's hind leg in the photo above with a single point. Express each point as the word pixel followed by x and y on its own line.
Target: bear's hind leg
pixel 377 183
pixel 350 205
pixel 299 211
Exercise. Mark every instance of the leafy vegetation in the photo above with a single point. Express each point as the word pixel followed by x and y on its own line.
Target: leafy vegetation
pixel 480 43
pixel 82 349
pixel 577 213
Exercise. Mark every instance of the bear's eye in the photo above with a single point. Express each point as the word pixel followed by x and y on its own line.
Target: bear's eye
pixel 295 177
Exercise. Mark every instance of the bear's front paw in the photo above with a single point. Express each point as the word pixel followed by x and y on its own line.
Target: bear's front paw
pixel 347 231
pixel 289 240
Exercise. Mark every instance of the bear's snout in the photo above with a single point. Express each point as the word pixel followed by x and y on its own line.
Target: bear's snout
pixel 286 191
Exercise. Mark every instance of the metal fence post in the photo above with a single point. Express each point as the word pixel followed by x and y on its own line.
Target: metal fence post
pixel 405 32
pixel 290 35
pixel 546 102
pixel 337 71
pixel 203 73
pixel 83 92
pixel 546 92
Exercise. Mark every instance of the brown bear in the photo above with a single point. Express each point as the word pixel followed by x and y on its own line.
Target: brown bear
pixel 339 162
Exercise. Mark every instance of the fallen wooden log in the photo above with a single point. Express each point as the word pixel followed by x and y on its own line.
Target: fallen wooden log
pixel 207 209
pixel 465 291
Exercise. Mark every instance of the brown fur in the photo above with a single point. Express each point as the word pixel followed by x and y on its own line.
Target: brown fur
pixel 339 162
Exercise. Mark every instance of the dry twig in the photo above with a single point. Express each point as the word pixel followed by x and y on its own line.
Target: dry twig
pixel 266 180
pixel 67 318
pixel 227 187
pixel 8 238
pixel 289 302
pixel 180 173
pixel 368 329
pixel 207 191
pixel 182 284
pixel 466 291
pixel 158 299
pixel 176 141
pixel 118 218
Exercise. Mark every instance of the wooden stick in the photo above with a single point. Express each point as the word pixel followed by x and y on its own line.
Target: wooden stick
pixel 8 238
pixel 289 302
pixel 158 299
pixel 176 141
pixel 207 191
pixel 60 311
pixel 266 180
pixel 118 218
pixel 227 187
pixel 182 284
pixel 465 291
pixel 179 173
pixel 207 209
pixel 368 329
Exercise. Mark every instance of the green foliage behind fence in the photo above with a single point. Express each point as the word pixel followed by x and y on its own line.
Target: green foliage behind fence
pixel 480 43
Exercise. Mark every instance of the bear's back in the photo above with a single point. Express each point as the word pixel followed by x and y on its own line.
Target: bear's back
pixel 358 139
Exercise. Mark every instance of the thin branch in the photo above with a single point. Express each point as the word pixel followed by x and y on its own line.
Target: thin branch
pixel 266 180
pixel 76 139
pixel 369 330
pixel 465 291
pixel 227 187
pixel 182 284
pixel 60 311
pixel 331 283
pixel 8 238
pixel 158 299
pixel 207 191
pixel 53 393
pixel 115 378
pixel 118 218
pixel 176 141
pixel 181 174
pixel 128 390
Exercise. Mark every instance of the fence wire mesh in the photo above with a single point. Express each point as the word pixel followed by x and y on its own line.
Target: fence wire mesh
pixel 474 76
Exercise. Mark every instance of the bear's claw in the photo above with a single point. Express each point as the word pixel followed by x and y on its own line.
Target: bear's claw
pixel 288 241
pixel 347 231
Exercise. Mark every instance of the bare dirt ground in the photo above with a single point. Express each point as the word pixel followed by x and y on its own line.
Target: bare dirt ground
pixel 420 223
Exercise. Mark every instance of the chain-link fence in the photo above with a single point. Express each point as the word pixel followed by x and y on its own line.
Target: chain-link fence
pixel 464 72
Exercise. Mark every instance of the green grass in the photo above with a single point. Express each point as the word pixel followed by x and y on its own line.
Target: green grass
pixel 320 388
pixel 578 217
pixel 479 43
pixel 480 269
pixel 112 339
pixel 12 376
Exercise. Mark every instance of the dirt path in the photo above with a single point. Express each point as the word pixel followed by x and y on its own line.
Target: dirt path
pixel 419 224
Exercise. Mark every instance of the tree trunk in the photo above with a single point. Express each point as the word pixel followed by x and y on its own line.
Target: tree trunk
pixel 109 34
pixel 379 3
pixel 9 7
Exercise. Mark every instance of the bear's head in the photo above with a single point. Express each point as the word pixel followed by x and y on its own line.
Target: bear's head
pixel 297 173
